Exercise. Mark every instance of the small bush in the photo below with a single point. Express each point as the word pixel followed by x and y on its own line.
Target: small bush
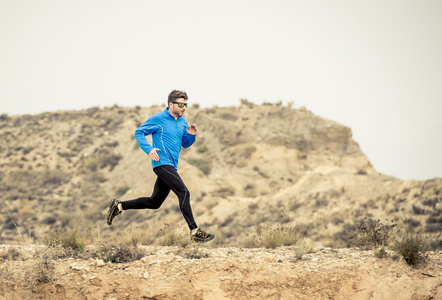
pixel 173 238
pixel 110 160
pixel 271 236
pixel 368 233
pixel 381 253
pixel 26 150
pixel 66 154
pixel 250 191
pixel 228 220
pixel 224 192
pixel 67 238
pixel 91 164
pixel 95 177
pixel 202 148
pixel 228 116
pixel 49 220
pixel 44 269
pixel 203 164
pixel 53 178
pixel 248 150
pixel 303 248
pixel 420 211
pixel 122 190
pixel 412 244
pixel 11 254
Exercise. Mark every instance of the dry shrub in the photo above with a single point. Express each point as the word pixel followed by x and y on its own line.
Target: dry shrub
pixel 204 164
pixel 44 269
pixel 11 254
pixel 224 192
pixel 122 190
pixel 136 238
pixel 272 236
pixel 91 164
pixel 412 244
pixel 368 233
pixel 248 150
pixel 381 253
pixel 173 238
pixel 67 238
pixel 250 190
pixel 202 148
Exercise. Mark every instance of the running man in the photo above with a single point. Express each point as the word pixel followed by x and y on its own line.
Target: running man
pixel 170 132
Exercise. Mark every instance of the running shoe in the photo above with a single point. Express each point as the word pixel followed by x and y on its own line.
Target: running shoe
pixel 113 210
pixel 201 236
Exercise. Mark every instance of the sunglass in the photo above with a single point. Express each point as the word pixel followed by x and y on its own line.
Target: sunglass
pixel 181 104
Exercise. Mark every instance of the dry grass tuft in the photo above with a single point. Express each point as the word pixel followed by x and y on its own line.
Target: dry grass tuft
pixel 412 244
pixel 272 236
pixel 43 270
pixel 368 233
pixel 67 238
pixel 172 237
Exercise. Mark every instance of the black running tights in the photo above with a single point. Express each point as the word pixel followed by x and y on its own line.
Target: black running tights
pixel 168 179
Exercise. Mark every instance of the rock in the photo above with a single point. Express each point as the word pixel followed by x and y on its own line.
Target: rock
pixel 26 256
pixel 100 263
pixel 76 267
pixel 222 278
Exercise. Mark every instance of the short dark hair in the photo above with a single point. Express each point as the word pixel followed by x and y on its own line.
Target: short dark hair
pixel 176 94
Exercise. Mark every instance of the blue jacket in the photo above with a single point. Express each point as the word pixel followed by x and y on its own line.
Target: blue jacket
pixel 168 135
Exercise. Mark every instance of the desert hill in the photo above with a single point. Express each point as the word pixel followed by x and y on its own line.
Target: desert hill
pixel 250 165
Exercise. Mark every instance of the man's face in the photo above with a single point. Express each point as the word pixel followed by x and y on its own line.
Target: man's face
pixel 175 109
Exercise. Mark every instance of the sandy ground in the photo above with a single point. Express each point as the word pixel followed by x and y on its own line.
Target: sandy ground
pixel 225 273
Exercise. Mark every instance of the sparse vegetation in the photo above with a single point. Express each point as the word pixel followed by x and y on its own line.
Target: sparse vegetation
pixel 412 243
pixel 43 270
pixel 173 238
pixel 381 253
pixel 203 164
pixel 70 238
pixel 91 164
pixel 272 236
pixel 11 254
pixel 202 148
pixel 368 233
pixel 122 190
pixel 224 192
pixel 248 150
pixel 250 190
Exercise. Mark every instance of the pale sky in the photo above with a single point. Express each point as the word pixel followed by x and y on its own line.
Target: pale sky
pixel 374 65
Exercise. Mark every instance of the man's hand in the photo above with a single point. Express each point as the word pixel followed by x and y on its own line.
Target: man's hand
pixel 192 129
pixel 154 155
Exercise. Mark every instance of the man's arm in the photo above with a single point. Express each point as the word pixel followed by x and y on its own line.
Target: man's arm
pixel 189 136
pixel 148 127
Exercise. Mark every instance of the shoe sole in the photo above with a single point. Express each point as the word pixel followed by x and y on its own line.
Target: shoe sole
pixel 111 211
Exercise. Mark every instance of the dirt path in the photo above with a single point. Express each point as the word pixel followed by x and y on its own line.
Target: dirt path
pixel 225 273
